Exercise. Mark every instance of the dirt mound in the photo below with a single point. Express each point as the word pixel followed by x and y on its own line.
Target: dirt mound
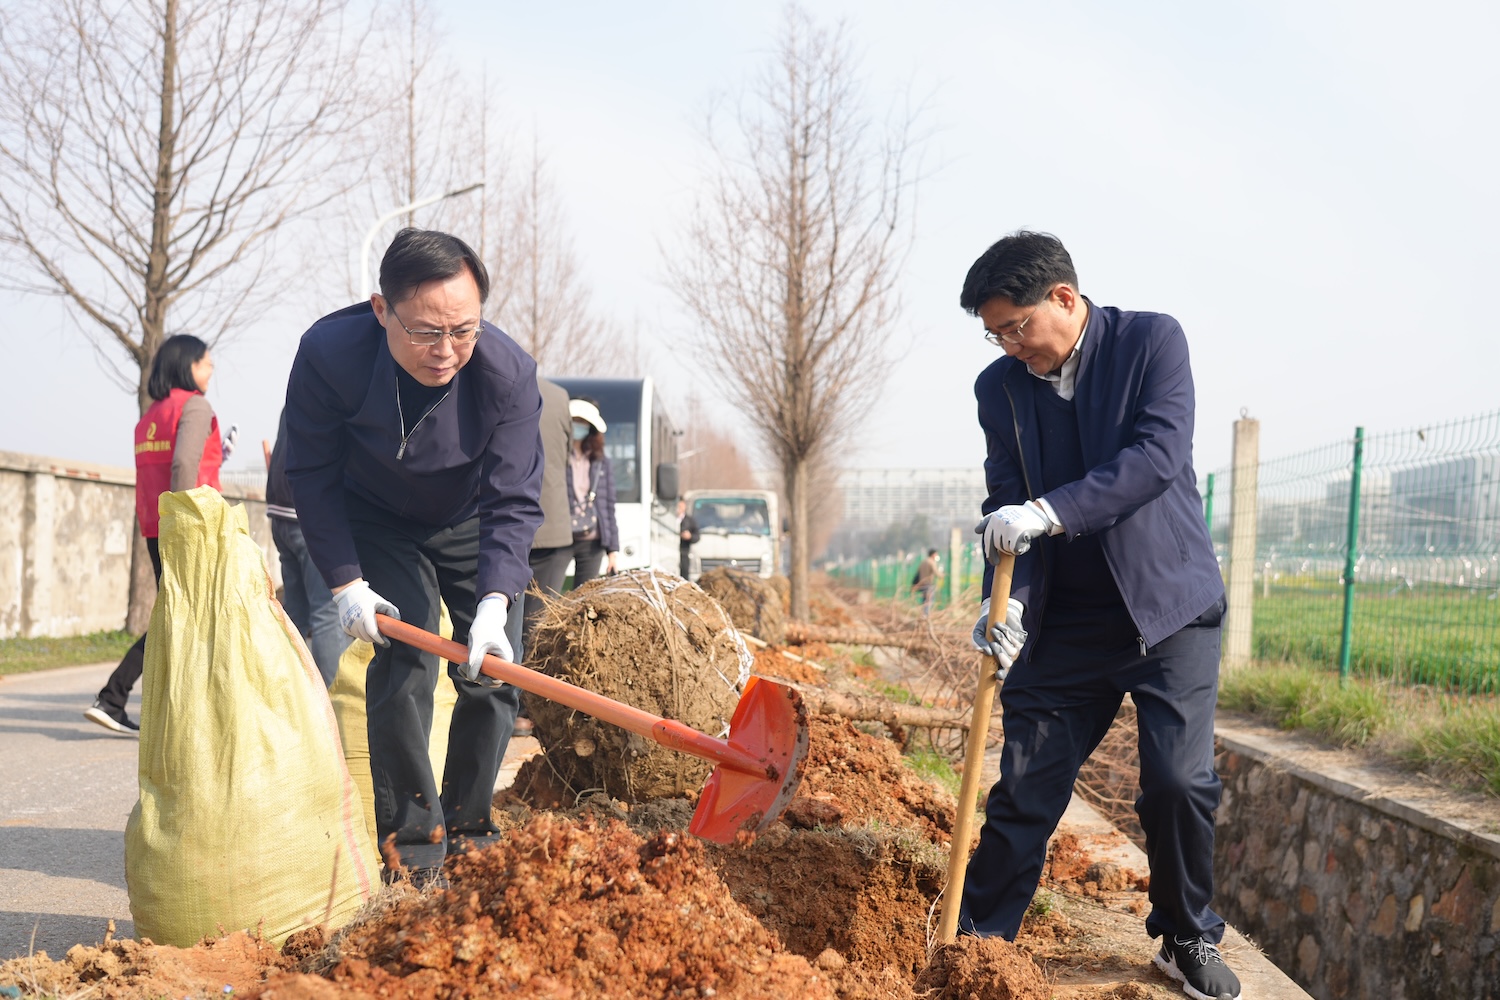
pixel 751 602
pixel 867 896
pixel 852 778
pixel 772 662
pixel 982 969
pixel 783 588
pixel 130 969
pixel 650 640
pixel 562 908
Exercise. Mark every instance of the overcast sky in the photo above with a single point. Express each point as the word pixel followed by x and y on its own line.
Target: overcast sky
pixel 1308 187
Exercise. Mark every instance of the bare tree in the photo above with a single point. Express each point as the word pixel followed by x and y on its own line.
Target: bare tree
pixel 149 152
pixel 538 291
pixel 791 260
pixel 709 456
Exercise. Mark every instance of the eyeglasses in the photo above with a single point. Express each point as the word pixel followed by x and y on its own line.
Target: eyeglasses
pixel 1013 337
pixel 430 338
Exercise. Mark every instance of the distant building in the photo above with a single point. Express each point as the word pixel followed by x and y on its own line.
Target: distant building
pixel 876 499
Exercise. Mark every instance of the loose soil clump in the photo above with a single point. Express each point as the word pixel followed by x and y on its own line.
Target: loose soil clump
pixel 751 602
pixel 650 640
pixel 982 969
pixel 568 908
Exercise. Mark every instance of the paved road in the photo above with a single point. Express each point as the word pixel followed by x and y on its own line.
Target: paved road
pixel 66 789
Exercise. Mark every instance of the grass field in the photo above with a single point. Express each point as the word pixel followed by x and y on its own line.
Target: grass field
pixel 1445 637
pixel 19 656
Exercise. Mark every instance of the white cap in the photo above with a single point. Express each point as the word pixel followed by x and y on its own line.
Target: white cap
pixel 582 409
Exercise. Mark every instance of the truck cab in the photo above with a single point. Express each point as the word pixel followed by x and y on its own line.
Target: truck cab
pixel 737 528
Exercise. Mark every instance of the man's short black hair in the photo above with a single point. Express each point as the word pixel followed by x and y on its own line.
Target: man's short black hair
pixel 172 368
pixel 420 255
pixel 932 552
pixel 1023 267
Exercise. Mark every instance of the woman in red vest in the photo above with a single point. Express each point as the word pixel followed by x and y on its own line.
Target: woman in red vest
pixel 177 447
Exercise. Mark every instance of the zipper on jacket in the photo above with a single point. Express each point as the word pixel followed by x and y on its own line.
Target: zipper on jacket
pixel 405 434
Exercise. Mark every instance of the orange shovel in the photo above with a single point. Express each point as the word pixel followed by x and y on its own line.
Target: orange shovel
pixel 759 764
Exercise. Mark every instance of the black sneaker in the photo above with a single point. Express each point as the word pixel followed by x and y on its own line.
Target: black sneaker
pixel 122 723
pixel 1198 966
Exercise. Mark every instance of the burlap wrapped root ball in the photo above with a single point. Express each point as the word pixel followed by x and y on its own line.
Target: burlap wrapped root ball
pixel 650 640
pixel 752 602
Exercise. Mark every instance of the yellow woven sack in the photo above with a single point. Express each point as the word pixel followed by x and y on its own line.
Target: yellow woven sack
pixel 247 817
pixel 348 694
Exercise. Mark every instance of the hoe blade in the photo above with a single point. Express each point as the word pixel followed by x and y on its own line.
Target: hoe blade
pixel 769 727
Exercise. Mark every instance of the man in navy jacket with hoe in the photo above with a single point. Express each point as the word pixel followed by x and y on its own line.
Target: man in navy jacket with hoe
pixel 415 461
pixel 1088 424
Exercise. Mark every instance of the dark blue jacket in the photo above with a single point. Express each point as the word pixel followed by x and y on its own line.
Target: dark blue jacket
pixel 478 452
pixel 1134 400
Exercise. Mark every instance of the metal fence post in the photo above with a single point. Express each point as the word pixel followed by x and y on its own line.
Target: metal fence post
pixel 1351 554
pixel 955 586
pixel 1242 528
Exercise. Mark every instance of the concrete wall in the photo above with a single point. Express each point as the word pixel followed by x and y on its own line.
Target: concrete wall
pixel 65 534
pixel 1353 889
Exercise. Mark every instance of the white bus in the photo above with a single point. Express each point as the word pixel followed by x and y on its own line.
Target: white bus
pixel 642 447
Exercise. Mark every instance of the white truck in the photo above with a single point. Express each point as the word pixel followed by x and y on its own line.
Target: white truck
pixel 739 528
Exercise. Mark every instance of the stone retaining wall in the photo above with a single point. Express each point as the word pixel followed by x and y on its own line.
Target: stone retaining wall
pixel 1354 893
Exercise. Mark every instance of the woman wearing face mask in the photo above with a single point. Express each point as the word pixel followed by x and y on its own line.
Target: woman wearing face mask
pixel 177 447
pixel 591 494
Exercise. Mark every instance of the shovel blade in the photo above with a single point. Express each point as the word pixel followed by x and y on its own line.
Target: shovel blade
pixel 769 724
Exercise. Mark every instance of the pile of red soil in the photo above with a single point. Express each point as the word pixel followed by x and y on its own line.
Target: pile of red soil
pixel 854 779
pixel 117 970
pixel 982 969
pixel 772 662
pixel 563 908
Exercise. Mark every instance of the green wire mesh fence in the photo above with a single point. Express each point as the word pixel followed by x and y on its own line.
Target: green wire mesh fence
pixel 890 577
pixel 1423 602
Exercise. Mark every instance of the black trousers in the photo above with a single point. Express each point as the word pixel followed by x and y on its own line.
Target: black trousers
pixel 116 690
pixel 1057 707
pixel 588 556
pixel 413 566
pixel 549 568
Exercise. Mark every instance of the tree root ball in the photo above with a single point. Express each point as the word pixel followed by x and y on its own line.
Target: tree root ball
pixel 753 603
pixel 650 640
pixel 783 587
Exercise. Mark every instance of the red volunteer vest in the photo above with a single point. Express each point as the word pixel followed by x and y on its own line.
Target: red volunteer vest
pixel 155 438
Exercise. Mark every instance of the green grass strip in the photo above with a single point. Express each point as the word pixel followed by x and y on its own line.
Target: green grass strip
pixel 19 656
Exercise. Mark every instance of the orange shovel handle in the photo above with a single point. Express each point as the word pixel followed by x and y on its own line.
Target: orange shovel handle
pixel 668 732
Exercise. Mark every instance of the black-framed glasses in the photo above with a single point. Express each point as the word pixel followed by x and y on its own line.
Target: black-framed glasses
pixel 1014 336
pixel 430 338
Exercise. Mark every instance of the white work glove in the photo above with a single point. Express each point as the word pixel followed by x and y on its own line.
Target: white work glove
pixel 357 606
pixel 1012 528
pixel 487 635
pixel 226 447
pixel 1006 638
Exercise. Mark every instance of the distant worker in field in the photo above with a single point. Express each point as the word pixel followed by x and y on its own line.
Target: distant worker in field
pixel 415 460
pixel 305 596
pixel 688 535
pixel 1089 424
pixel 591 494
pixel 925 583
pixel 177 447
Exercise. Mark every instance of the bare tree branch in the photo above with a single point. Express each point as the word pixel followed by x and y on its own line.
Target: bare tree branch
pixel 792 258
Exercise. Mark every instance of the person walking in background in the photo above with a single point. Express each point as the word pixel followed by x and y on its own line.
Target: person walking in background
pixel 591 495
pixel 687 531
pixel 305 596
pixel 925 584
pixel 1089 425
pixel 416 464
pixel 177 447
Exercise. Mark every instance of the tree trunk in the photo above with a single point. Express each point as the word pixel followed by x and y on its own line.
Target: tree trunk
pixel 154 316
pixel 796 485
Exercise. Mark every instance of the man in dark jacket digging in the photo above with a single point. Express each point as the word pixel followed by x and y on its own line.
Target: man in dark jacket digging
pixel 1088 423
pixel 415 460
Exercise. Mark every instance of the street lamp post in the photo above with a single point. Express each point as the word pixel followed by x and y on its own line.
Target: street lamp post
pixel 364 250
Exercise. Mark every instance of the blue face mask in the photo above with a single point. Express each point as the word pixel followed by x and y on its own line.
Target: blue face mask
pixel 581 431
